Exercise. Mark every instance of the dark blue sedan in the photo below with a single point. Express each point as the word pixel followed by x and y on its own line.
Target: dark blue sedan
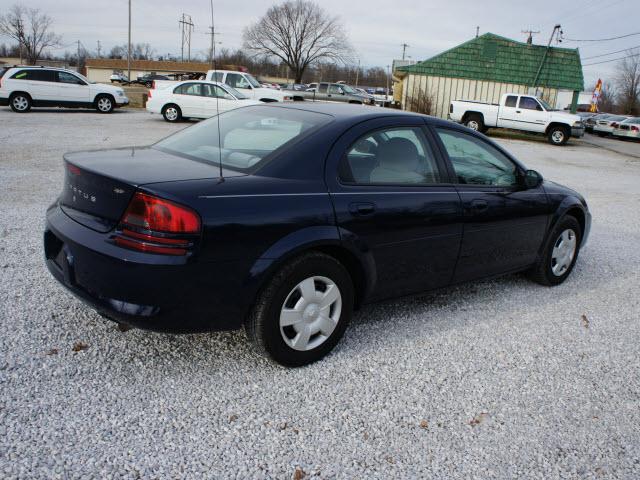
pixel 284 219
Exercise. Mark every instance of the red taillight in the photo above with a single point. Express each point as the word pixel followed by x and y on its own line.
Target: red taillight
pixel 151 223
pixel 153 84
pixel 635 129
pixel 73 169
pixel 149 96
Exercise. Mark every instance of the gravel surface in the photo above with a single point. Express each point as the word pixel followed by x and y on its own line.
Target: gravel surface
pixel 499 379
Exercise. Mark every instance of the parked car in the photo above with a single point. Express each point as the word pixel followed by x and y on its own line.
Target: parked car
pixel 334 92
pixel 147 80
pixel 629 128
pixel 247 84
pixel 323 208
pixel 25 87
pixel 518 112
pixel 195 99
pixel 119 78
pixel 590 122
pixel 605 126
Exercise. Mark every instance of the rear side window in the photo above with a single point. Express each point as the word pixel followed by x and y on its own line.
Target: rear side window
pixel 189 89
pixel 511 101
pixel 392 156
pixel 39 75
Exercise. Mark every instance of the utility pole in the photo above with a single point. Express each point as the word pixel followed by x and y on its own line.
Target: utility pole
pixel 99 48
pixel 530 35
pixel 129 47
pixel 213 34
pixel 358 72
pixel 477 31
pixel 78 64
pixel 386 94
pixel 186 25
pixel 404 49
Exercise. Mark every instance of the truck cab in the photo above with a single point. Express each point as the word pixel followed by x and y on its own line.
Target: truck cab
pixel 247 85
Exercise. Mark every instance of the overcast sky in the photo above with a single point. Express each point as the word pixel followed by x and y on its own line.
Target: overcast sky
pixel 376 28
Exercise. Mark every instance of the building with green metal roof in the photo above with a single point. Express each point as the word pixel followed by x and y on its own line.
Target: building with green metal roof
pixel 486 67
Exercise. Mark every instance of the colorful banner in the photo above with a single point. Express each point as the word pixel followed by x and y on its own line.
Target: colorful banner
pixel 596 96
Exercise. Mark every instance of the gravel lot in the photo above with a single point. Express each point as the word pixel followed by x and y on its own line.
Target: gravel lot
pixel 499 379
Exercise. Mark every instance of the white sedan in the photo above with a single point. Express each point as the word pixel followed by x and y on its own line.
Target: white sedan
pixel 604 127
pixel 629 128
pixel 195 99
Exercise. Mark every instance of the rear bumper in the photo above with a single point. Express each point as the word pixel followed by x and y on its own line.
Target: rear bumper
pixel 4 102
pixel 154 292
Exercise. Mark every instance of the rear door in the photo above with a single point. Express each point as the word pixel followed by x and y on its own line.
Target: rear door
pixel 39 83
pixel 504 223
pixel 394 204
pixel 71 88
pixel 189 98
pixel 508 117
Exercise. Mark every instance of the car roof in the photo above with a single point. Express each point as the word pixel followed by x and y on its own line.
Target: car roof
pixel 355 112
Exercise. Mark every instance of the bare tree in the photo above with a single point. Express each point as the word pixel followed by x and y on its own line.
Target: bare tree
pixel 607 100
pixel 299 33
pixel 628 82
pixel 31 29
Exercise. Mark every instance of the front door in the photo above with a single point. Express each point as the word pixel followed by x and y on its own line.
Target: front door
pixel 189 99
pixel 532 114
pixel 504 223
pixel 72 89
pixel 393 203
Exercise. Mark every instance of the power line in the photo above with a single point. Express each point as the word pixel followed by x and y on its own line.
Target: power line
pixel 601 39
pixel 612 60
pixel 610 53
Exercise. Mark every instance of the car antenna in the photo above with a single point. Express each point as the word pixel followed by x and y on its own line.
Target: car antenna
pixel 215 68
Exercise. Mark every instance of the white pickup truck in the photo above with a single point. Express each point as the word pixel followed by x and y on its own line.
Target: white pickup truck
pixel 247 85
pixel 518 112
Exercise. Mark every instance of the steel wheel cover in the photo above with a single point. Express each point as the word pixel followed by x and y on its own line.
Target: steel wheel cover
pixel 310 313
pixel 564 249
pixel 104 104
pixel 557 136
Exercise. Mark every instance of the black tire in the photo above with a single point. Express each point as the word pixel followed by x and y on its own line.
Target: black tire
pixel 475 121
pixel 542 272
pixel 104 104
pixel 558 135
pixel 172 113
pixel 263 324
pixel 20 102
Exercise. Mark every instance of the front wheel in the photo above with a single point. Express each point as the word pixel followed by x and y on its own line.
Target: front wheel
pixel 558 135
pixel 104 104
pixel 303 312
pixel 560 253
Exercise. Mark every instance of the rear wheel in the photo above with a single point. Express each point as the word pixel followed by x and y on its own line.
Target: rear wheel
pixel 172 113
pixel 475 122
pixel 104 104
pixel 303 312
pixel 20 102
pixel 560 254
pixel 558 135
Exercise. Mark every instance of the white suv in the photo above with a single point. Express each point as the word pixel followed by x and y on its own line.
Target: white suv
pixel 26 87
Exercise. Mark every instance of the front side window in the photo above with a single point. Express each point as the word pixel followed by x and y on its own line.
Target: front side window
pixel 244 138
pixel 476 162
pixel 189 89
pixel 215 91
pixel 511 101
pixel 217 76
pixel 529 103
pixel 66 77
pixel 335 89
pixel 396 156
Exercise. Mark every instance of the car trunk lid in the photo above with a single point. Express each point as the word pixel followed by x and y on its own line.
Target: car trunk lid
pixel 99 184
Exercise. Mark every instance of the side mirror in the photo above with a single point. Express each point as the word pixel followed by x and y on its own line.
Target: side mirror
pixel 532 179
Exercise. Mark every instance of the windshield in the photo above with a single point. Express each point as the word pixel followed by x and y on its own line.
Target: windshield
pixel 248 136
pixel 254 83
pixel 349 89
pixel 632 120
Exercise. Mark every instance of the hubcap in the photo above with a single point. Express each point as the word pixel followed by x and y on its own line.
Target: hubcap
pixel 563 252
pixel 20 103
pixel 310 313
pixel 104 104
pixel 557 136
pixel 171 113
pixel 473 125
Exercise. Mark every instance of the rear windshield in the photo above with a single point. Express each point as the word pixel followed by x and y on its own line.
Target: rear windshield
pixel 249 136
